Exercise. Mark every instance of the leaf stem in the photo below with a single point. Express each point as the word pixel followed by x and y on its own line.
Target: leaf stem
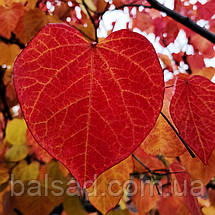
pixel 179 136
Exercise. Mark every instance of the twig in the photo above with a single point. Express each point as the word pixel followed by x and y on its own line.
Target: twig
pixel 179 136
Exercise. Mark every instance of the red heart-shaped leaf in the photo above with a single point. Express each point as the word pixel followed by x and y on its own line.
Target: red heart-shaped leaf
pixel 192 110
pixel 89 105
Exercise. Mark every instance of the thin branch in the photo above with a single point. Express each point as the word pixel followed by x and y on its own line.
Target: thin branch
pixel 147 168
pixel 106 7
pixel 179 136
pixel 156 172
pixel 92 20
pixel 158 191
pixel 186 21
pixel 132 5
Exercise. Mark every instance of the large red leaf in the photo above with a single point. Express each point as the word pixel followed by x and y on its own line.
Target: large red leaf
pixel 89 105
pixel 192 110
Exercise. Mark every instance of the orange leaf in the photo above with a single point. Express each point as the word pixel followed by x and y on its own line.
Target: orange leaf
pixel 203 45
pixel 145 196
pixel 100 5
pixel 9 18
pixel 207 72
pixel 10 53
pixel 31 23
pixel 208 210
pixel 172 205
pixel 103 194
pixel 162 139
pixel 197 169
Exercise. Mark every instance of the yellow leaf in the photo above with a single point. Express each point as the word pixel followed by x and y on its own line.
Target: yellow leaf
pixel 107 190
pixel 89 4
pixel 16 132
pixel 26 172
pixel 118 212
pixel 42 196
pixel 208 211
pixel 72 205
pixel 93 5
pixel 10 53
pixel 16 153
pixel 54 174
pixel 38 202
pixel 29 4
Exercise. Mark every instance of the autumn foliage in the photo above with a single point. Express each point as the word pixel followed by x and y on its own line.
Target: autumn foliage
pixel 107 123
